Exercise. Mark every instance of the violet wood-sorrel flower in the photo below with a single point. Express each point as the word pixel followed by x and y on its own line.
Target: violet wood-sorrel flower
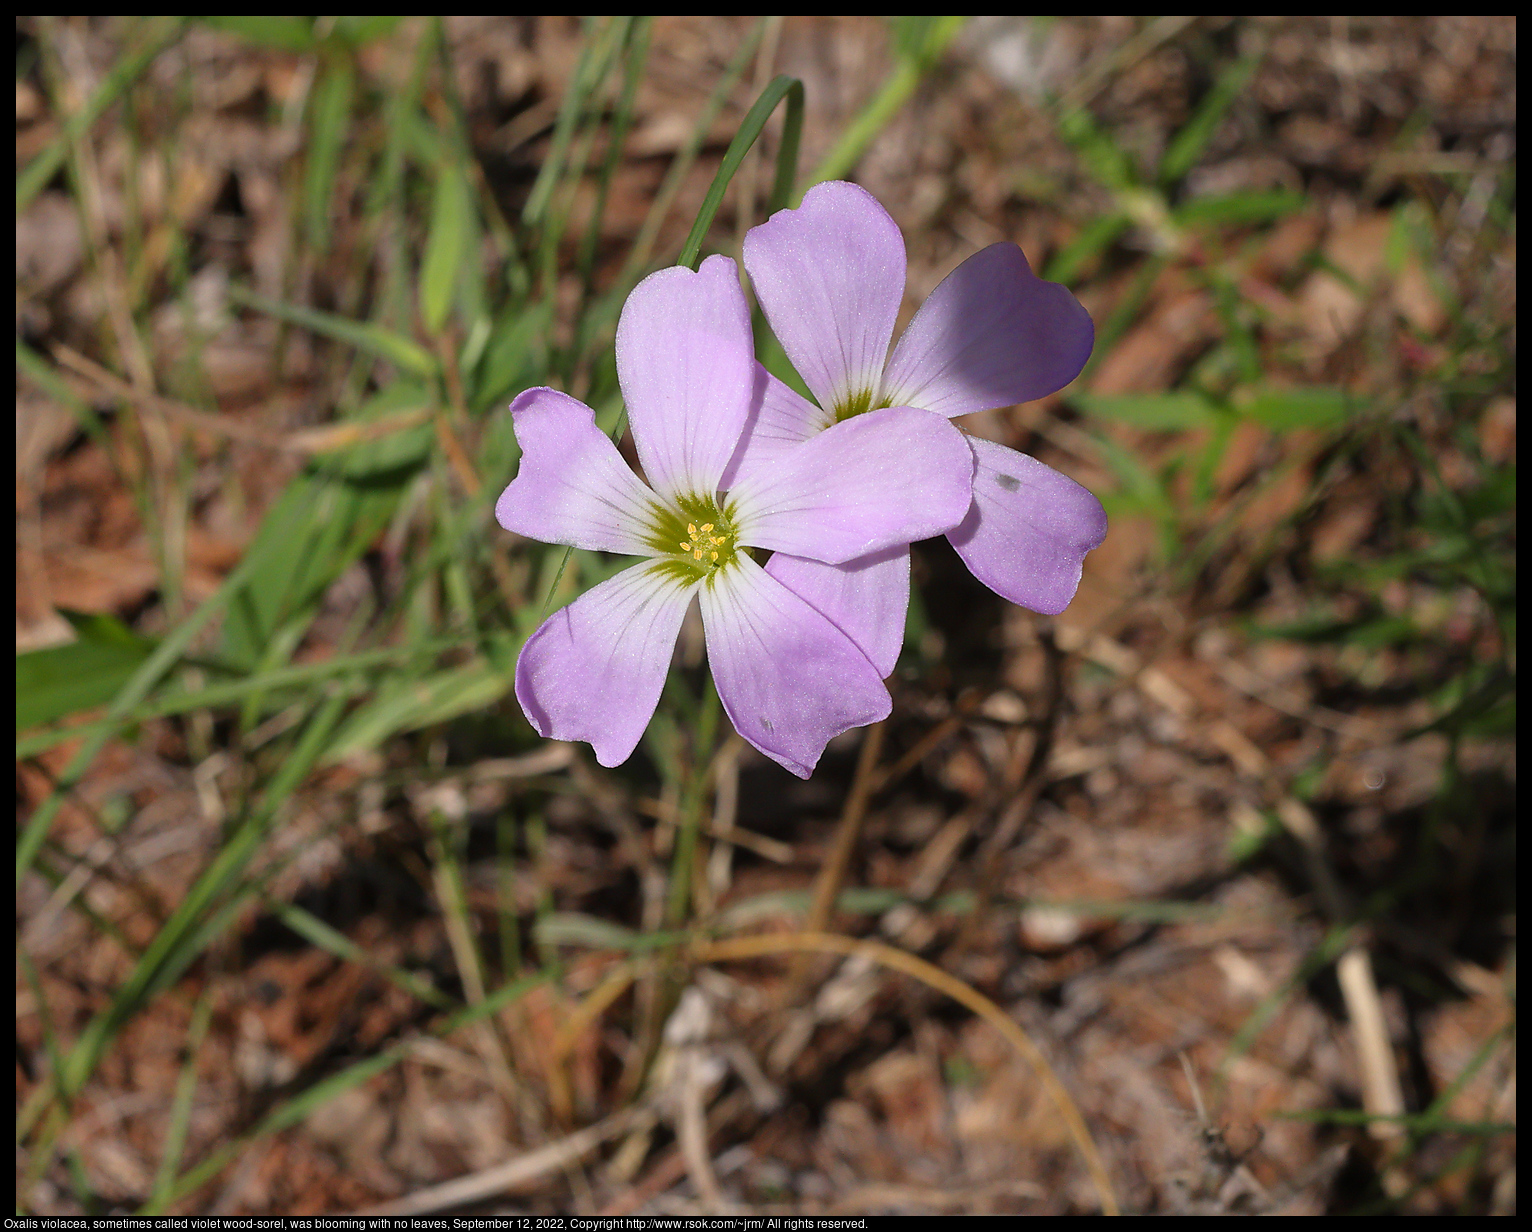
pixel 830 276
pixel 788 677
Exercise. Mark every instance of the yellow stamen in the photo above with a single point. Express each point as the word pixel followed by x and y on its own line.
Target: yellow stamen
pixel 706 543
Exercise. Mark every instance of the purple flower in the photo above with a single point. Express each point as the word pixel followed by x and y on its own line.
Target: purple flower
pixel 788 677
pixel 830 276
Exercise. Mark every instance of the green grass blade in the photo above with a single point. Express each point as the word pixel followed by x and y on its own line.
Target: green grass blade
pixel 329 116
pixel 1093 239
pixel 375 340
pixel 160 34
pixel 297 1109
pixel 638 258
pixel 1178 411
pixel 278 33
pixel 786 181
pixel 420 701
pixel 178 942
pixel 446 244
pixel 1189 144
pixel 587 77
pixel 228 693
pixel 1239 209
pixel 921 40
pixel 638 55
pixel 315 931
pixel 165 656
pixel 40 371
pixel 750 128
pixel 1283 410
pixel 181 1102
pixel 1100 155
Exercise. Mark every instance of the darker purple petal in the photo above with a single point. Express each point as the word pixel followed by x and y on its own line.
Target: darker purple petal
pixel 991 334
pixel 1029 529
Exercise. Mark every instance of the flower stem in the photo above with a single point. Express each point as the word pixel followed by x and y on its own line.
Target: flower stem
pixel 683 865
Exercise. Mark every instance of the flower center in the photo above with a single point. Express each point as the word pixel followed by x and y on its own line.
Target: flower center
pixel 703 543
pixel 858 403
pixel 695 537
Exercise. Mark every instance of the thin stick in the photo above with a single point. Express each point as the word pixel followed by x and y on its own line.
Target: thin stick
pixel 322 439
pixel 827 887
pixel 522 1170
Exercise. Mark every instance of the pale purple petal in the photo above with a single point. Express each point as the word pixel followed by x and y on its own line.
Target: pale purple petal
pixel 572 486
pixel 1029 529
pixel 886 477
pixel 594 670
pixel 686 361
pixel 866 598
pixel 780 418
pixel 991 334
pixel 789 680
pixel 830 277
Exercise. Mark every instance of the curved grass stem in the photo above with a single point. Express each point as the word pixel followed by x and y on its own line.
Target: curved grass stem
pixel 964 994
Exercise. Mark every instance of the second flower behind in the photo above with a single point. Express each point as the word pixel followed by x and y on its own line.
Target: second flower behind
pixel 789 678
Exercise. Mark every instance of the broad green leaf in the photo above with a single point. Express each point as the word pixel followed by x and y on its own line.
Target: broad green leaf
pixel 374 339
pixel 515 354
pixel 280 33
pixel 1103 158
pixel 446 244
pixel 358 29
pixel 1283 410
pixel 1239 209
pixel 325 520
pixel 62 680
pixel 410 704
pixel 1169 412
